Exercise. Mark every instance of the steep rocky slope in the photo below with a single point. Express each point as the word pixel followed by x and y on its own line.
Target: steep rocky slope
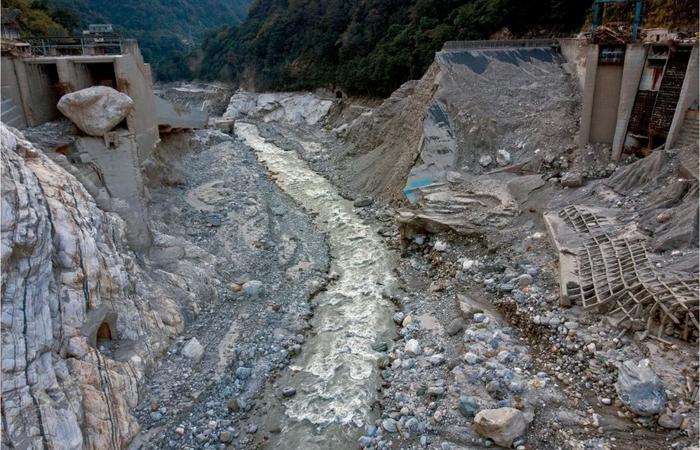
pixel 83 319
pixel 474 110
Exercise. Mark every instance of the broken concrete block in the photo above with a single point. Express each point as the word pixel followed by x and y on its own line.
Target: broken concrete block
pixel 571 179
pixel 96 110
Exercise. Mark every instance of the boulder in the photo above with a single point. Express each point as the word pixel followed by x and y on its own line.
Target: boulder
pixel 485 161
pixel 639 388
pixel 502 425
pixel 96 110
pixel 193 350
pixel 503 157
pixel 253 288
pixel 572 179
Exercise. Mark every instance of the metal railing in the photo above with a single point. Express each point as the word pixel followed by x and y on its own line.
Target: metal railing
pixel 76 45
pixel 463 45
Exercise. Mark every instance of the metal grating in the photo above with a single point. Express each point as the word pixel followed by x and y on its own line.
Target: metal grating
pixel 669 92
pixel 616 277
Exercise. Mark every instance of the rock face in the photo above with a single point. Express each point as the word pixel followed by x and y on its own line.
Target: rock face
pixel 97 109
pixel 501 425
pixel 73 292
pixel 278 107
pixel 639 388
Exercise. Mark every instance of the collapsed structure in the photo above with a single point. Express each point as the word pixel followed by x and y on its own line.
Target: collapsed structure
pixel 36 73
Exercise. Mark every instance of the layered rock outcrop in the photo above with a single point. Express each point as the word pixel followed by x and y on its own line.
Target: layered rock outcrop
pixel 82 318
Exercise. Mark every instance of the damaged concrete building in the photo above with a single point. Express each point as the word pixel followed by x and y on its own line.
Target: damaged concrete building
pixel 37 72
pixel 637 94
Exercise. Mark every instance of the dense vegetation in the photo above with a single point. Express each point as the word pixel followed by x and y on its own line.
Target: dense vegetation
pixel 167 30
pixel 366 47
pixel 38 18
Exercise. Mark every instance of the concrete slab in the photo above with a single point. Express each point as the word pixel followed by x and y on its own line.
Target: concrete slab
pixel 171 116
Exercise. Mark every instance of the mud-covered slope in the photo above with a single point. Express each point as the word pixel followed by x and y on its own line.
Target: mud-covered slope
pixel 82 318
pixel 470 105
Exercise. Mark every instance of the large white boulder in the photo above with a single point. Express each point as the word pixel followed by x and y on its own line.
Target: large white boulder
pixel 97 109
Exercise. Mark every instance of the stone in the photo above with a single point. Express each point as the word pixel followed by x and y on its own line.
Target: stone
pixel 193 350
pixel 503 157
pixel 639 388
pixel 365 442
pixel 96 110
pixel 454 177
pixel 437 359
pixel 253 288
pixel 436 391
pixel 233 405
pixel 440 246
pixel 225 437
pixel 289 392
pixel 471 358
pixel 412 346
pixel 390 425
pixel 362 202
pixel 572 179
pixel 243 373
pixel 524 280
pixel 670 421
pixel 454 327
pixel 502 425
pixel 468 406
pixel 485 161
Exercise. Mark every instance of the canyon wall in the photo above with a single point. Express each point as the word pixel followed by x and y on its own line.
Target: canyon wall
pixel 83 319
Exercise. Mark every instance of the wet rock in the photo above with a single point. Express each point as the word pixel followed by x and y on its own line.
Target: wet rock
pixel 97 109
pixel 572 179
pixel 193 350
pixel 503 157
pixel 390 425
pixel 289 392
pixel 502 425
pixel 468 406
pixel 253 288
pixel 362 202
pixel 233 405
pixel 454 327
pixel 639 388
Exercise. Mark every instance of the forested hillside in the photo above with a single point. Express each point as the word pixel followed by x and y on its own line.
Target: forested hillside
pixel 166 29
pixel 367 47
pixel 370 47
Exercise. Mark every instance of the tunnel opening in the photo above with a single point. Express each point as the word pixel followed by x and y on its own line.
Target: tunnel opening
pixel 102 74
pixel 104 333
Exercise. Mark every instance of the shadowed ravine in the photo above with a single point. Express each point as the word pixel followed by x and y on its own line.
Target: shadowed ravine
pixel 335 376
